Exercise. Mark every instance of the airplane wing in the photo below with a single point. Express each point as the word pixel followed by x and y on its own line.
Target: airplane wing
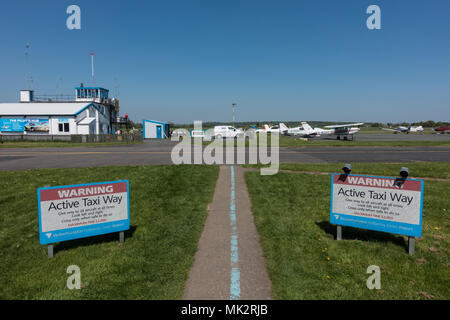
pixel 345 125
pixel 300 134
pixel 387 129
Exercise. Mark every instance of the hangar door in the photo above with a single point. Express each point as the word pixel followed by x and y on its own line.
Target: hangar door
pixel 158 131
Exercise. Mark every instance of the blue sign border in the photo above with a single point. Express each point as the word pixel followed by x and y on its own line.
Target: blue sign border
pixel 413 230
pixel 83 231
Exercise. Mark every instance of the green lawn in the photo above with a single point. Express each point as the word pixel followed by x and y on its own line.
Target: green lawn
pixel 416 169
pixel 290 142
pixel 61 144
pixel 305 262
pixel 375 130
pixel 168 207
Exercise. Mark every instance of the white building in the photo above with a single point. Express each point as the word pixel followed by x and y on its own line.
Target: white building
pixel 92 112
pixel 156 129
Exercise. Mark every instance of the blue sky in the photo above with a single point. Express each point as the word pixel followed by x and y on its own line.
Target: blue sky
pixel 188 60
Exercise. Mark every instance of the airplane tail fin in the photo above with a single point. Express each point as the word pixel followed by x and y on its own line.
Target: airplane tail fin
pixel 283 127
pixel 306 126
pixel 266 127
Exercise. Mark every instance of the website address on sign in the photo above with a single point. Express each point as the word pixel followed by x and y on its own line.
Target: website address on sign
pixel 378 224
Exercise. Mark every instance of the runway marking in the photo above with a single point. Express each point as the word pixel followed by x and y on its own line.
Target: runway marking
pixel 235 286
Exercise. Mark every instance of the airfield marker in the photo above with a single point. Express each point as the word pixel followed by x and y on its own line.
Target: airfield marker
pixel 235 286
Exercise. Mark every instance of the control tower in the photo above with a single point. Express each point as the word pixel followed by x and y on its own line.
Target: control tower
pixel 92 94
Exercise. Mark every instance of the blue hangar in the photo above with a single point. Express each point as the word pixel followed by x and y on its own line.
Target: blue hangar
pixel 156 129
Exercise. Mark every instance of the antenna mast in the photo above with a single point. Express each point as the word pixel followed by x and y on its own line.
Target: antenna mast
pixel 27 80
pixel 233 106
pixel 92 54
pixel 116 88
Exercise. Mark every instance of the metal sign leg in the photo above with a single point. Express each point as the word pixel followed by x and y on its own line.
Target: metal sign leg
pixel 411 242
pixel 121 237
pixel 50 251
pixel 339 233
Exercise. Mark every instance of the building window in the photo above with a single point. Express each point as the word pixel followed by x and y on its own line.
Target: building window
pixel 63 127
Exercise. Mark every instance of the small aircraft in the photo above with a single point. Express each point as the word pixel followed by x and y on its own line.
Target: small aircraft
pixel 403 129
pixel 38 127
pixel 305 130
pixel 268 129
pixel 345 130
pixel 442 130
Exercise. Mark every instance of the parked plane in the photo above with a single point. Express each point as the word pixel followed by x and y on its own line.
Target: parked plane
pixel 259 130
pixel 268 129
pixel 403 129
pixel 444 129
pixel 305 130
pixel 345 130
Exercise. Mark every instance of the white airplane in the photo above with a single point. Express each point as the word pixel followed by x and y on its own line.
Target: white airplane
pixel 305 130
pixel 268 129
pixel 345 130
pixel 403 129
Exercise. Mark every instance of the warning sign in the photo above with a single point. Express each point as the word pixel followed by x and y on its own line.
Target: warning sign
pixel 78 211
pixel 386 204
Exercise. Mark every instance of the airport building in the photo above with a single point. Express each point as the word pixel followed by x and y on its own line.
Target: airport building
pixel 91 112
pixel 156 129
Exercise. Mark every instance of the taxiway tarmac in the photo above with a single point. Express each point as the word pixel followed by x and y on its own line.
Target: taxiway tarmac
pixel 159 152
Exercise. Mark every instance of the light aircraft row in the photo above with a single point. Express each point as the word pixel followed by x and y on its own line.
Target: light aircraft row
pixel 340 130
pixel 307 131
pixel 403 129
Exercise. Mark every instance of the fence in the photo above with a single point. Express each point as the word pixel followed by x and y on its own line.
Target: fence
pixel 72 138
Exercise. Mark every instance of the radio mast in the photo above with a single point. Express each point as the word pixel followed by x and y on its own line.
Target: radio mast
pixel 27 77
pixel 92 54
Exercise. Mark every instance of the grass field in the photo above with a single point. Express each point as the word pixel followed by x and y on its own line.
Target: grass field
pixel 168 207
pixel 60 144
pixel 438 170
pixel 374 130
pixel 290 142
pixel 305 262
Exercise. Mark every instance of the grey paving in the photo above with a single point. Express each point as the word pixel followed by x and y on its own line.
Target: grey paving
pixel 365 154
pixel 159 152
pixel 255 281
pixel 210 275
pixel 395 137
